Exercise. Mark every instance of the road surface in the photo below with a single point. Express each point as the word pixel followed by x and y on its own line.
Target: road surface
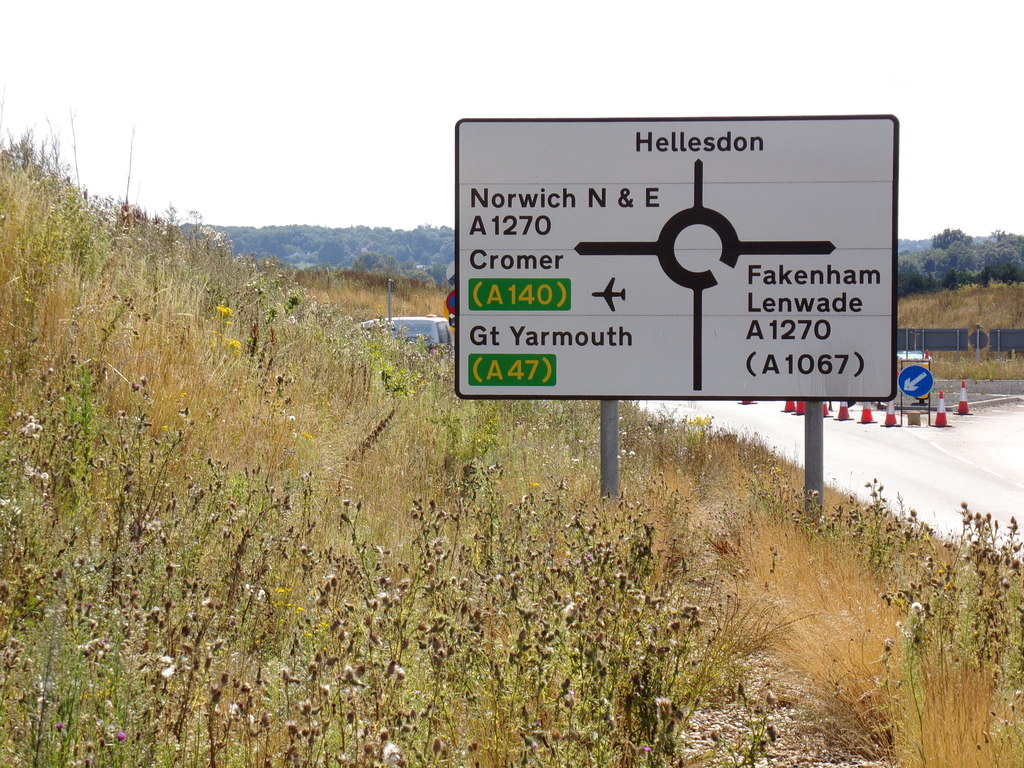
pixel 978 459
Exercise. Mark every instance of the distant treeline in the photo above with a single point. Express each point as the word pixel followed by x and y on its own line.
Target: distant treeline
pixel 422 252
pixel 956 259
pixel 947 261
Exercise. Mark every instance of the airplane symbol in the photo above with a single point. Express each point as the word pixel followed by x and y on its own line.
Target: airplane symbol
pixel 609 295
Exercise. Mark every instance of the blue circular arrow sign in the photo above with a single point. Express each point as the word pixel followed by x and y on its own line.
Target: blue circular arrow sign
pixel 915 381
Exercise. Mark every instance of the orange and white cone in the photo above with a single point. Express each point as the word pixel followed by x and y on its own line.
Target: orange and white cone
pixel 890 415
pixel 940 415
pixel 789 407
pixel 963 408
pixel 844 412
pixel 824 409
pixel 865 415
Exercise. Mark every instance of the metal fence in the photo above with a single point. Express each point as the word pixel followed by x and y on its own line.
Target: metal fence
pixel 1006 339
pixel 960 339
pixel 932 339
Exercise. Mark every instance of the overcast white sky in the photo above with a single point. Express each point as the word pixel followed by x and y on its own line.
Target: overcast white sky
pixel 343 113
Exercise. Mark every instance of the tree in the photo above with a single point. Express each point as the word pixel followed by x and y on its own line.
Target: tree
pixel 954 278
pixel 376 262
pixel 915 282
pixel 1004 272
pixel 950 236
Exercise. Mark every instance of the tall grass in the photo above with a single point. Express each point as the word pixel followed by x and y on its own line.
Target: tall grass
pixel 840 637
pixel 366 292
pixel 910 643
pixel 992 306
pixel 236 530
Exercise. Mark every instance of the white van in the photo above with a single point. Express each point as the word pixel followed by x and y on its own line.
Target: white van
pixel 434 330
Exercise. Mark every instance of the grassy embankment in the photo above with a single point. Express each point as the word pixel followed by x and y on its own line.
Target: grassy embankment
pixel 234 531
pixel 993 306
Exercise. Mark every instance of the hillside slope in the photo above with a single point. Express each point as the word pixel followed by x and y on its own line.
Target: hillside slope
pixel 236 530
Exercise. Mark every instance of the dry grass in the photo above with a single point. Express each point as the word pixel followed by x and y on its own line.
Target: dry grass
pixel 235 530
pixel 896 637
pixel 990 368
pixel 993 306
pixel 364 295
pixel 952 717
pixel 238 530
pixel 840 638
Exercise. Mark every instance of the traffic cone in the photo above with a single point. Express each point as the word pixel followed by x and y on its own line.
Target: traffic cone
pixel 824 409
pixel 801 408
pixel 890 415
pixel 963 408
pixel 940 415
pixel 844 412
pixel 865 415
pixel 746 402
pixel 789 407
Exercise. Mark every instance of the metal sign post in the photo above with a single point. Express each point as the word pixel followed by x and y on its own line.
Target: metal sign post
pixel 609 448
pixel 814 456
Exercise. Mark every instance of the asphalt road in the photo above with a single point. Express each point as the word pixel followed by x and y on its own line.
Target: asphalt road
pixel 978 458
pixel 980 392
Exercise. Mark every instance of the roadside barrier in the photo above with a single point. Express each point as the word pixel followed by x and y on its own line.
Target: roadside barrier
pixel 940 415
pixel 865 415
pixel 963 408
pixel 890 415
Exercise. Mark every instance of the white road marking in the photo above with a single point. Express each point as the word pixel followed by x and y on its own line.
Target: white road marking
pixel 953 455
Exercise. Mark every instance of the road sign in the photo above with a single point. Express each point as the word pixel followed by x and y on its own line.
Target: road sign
pixel 449 307
pixel 676 258
pixel 915 381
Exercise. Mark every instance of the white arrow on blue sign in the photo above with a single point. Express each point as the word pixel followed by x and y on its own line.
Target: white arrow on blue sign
pixel 915 381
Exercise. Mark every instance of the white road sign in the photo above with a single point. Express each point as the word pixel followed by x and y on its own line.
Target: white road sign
pixel 677 258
